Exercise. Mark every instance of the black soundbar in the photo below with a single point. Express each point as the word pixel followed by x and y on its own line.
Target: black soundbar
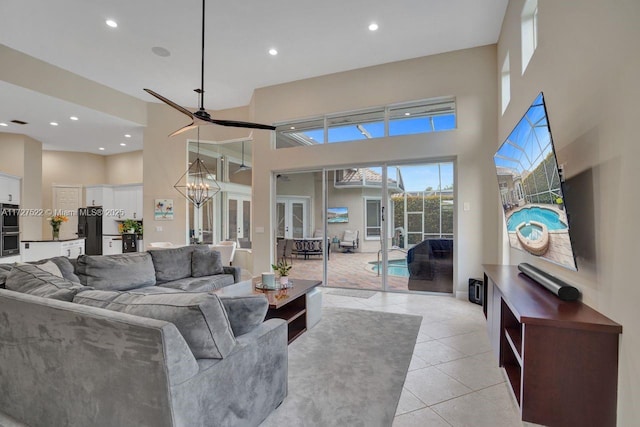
pixel 563 290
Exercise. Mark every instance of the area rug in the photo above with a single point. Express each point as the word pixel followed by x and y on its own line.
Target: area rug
pixel 352 293
pixel 348 370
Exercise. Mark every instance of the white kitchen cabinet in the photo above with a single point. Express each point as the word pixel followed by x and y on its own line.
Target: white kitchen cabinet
pixel 9 189
pixel 128 198
pixel 42 249
pixel 99 195
pixel 111 245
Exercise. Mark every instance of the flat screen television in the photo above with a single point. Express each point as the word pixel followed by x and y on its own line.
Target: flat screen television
pixel 531 190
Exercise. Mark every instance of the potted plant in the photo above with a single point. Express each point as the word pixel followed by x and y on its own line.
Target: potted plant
pixel 282 268
pixel 130 226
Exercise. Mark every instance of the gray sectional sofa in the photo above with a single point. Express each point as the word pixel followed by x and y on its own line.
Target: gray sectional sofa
pixel 109 343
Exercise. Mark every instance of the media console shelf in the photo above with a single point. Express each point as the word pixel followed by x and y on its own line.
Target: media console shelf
pixel 561 357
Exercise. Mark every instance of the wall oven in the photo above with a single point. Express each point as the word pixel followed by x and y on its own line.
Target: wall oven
pixel 10 218
pixel 10 244
pixel 9 230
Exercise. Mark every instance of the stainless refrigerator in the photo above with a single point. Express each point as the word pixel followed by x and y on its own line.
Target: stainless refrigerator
pixel 90 227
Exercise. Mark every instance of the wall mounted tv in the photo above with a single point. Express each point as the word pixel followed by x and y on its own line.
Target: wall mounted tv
pixel 531 189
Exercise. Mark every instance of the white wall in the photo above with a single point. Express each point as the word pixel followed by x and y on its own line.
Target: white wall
pixel 469 75
pixel 587 63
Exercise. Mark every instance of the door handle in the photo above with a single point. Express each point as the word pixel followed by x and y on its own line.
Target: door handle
pixel 383 213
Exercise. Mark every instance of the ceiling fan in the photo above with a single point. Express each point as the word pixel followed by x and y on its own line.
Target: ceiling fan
pixel 243 167
pixel 202 117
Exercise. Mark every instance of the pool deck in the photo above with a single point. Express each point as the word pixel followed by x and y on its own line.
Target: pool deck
pixel 350 270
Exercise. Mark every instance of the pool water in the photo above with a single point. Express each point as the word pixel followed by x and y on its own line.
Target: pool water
pixel 545 216
pixel 531 232
pixel 396 267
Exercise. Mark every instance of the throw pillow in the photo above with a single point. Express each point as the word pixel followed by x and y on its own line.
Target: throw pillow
pixel 31 279
pixel 50 267
pixel 206 263
pixel 172 263
pixel 200 317
pixel 245 312
pixel 116 272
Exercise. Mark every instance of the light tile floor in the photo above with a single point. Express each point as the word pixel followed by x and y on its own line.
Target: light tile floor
pixel 453 378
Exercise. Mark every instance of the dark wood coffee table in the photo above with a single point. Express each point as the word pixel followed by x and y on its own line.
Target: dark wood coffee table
pixel 289 304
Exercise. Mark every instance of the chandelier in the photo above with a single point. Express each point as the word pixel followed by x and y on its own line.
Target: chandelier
pixel 197 184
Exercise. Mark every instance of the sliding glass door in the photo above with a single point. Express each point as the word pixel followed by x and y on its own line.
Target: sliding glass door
pixel 387 227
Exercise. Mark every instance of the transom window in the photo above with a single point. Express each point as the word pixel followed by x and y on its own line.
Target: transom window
pixel 399 119
pixel 529 29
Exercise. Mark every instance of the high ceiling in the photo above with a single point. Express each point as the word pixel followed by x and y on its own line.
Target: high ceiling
pixel 312 38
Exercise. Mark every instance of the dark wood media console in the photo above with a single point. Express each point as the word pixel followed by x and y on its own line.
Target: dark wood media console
pixel 561 357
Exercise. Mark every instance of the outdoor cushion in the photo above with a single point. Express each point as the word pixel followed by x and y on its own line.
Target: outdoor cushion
pixel 206 263
pixel 30 279
pixel 119 272
pixel 200 317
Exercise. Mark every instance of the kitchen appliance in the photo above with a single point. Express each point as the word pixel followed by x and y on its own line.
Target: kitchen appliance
pixel 9 230
pixel 10 244
pixel 10 218
pixel 90 227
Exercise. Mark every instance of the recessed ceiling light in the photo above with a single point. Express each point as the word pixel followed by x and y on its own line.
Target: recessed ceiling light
pixel 111 23
pixel 292 127
pixel 101 148
pixel 161 51
pixel 122 144
pixel 3 124
pixel 407 114
pixel 74 118
pixel 373 26
pixel 273 52
pixel 127 135
pixel 53 124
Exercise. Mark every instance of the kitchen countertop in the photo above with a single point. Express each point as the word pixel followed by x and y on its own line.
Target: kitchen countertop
pixel 53 241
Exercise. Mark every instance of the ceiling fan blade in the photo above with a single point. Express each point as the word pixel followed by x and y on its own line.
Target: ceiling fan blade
pixel 238 124
pixel 184 129
pixel 170 103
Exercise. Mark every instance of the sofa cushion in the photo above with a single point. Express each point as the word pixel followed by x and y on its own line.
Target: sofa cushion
pixel 5 269
pixel 172 263
pixel 245 312
pixel 66 268
pixel 50 267
pixel 116 272
pixel 200 317
pixel 200 284
pixel 206 263
pixel 30 279
pixel 64 264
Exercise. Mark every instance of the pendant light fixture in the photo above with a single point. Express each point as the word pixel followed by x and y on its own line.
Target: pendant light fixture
pixel 243 167
pixel 197 184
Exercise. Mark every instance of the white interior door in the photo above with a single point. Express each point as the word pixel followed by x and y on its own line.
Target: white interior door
pixel 238 217
pixel 66 201
pixel 292 217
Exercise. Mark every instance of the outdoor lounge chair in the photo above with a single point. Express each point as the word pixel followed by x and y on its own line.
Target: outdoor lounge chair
pixel 350 241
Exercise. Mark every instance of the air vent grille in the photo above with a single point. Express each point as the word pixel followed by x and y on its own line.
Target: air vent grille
pixel 19 122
